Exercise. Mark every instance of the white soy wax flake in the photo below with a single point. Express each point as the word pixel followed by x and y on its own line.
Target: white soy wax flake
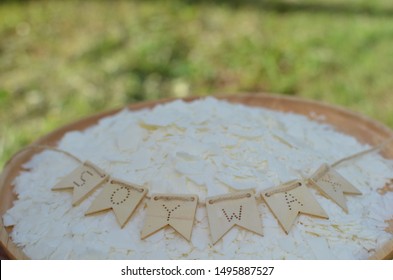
pixel 320 248
pixel 40 250
pixel 166 117
pixel 62 252
pixel 178 247
pixel 198 238
pixel 206 147
pixel 8 219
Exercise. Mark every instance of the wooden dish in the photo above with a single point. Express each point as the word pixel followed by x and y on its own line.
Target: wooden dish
pixel 364 129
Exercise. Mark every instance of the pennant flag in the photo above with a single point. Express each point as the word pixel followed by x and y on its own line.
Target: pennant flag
pixel 288 200
pixel 83 180
pixel 119 196
pixel 177 211
pixel 333 185
pixel 226 211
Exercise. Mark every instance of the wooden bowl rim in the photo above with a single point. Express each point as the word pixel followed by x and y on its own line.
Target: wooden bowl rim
pixel 378 131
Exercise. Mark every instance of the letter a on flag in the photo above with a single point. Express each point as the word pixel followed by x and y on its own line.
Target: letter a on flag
pixel 333 185
pixel 226 211
pixel 289 200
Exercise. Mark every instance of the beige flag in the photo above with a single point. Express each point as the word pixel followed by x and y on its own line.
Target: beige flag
pixel 83 180
pixel 333 185
pixel 226 211
pixel 119 196
pixel 177 211
pixel 288 200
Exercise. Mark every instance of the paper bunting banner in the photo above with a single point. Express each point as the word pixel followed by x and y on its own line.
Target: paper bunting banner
pixel 333 185
pixel 177 211
pixel 287 201
pixel 226 211
pixel 83 180
pixel 119 196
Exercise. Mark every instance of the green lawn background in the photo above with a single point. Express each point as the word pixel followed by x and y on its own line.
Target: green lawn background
pixel 62 60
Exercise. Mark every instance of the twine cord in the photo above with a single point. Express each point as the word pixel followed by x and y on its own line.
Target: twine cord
pixel 362 153
pixel 116 182
pixel 43 147
pixel 173 197
pixel 229 197
pixel 285 188
pixel 292 185
pixel 95 169
pixel 348 158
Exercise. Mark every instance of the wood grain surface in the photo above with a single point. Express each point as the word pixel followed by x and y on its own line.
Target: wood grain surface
pixel 364 129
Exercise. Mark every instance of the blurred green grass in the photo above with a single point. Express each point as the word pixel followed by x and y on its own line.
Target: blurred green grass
pixel 62 60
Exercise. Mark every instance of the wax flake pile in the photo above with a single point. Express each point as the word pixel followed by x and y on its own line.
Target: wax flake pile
pixel 203 180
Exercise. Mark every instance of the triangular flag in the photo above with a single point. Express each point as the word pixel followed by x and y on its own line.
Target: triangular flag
pixel 226 211
pixel 333 185
pixel 288 200
pixel 177 211
pixel 82 180
pixel 119 196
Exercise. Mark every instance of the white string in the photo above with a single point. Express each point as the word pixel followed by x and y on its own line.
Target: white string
pixel 284 188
